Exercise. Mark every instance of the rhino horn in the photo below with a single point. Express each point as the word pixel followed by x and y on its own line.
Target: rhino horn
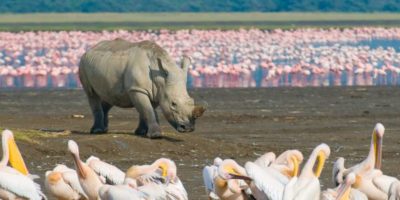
pixel 186 61
pixel 198 111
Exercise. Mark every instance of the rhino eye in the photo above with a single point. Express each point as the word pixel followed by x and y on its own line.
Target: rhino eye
pixel 173 105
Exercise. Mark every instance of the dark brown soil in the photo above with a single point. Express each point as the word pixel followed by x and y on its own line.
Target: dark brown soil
pixel 239 123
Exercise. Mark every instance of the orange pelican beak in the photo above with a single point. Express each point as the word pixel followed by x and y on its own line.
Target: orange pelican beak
pixel 79 167
pixel 16 160
pixel 344 192
pixel 296 164
pixel 321 161
pixel 74 150
pixel 378 151
pixel 164 169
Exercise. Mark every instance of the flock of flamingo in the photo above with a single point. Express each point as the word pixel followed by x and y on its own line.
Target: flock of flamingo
pixel 231 58
pixel 267 178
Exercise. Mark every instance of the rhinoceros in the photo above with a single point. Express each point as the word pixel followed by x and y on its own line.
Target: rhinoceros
pixel 141 75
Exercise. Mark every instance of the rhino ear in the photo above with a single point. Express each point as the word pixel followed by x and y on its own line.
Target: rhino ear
pixel 198 111
pixel 160 65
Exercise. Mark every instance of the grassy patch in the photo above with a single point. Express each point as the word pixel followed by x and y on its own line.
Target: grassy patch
pixel 33 136
pixel 144 21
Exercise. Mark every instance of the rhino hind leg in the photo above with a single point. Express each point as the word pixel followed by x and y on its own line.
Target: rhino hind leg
pixel 148 118
pixel 98 115
pixel 106 108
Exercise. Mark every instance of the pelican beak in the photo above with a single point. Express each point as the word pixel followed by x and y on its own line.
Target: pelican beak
pixel 295 171
pixel 378 151
pixel 236 176
pixel 164 169
pixel 164 173
pixel 321 161
pixel 80 171
pixel 344 191
pixel 16 160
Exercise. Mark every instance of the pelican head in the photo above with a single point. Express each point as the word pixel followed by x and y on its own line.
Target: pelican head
pixel 296 157
pixel 11 153
pixel 229 169
pixel 73 147
pixel 323 151
pixel 377 135
pixel 217 161
pixel 293 160
pixel 345 187
pixel 167 167
pixel 266 159
pixel 337 171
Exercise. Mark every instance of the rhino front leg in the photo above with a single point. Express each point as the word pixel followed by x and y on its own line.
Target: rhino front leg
pixel 98 115
pixel 142 127
pixel 148 118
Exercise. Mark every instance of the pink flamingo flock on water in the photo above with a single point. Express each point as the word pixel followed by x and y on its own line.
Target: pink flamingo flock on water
pixel 232 58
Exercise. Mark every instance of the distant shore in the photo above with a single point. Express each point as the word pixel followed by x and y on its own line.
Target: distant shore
pixel 175 21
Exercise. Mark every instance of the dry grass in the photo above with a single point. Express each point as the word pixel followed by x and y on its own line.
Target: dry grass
pixel 191 17
pixel 34 136
pixel 144 21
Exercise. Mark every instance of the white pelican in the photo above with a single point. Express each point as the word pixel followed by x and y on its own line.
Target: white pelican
pixel 88 179
pixel 15 182
pixel 110 173
pixel 226 186
pixel 161 175
pixel 209 174
pixel 369 178
pixel 307 185
pixel 287 161
pixel 344 191
pixel 63 183
pixel 272 185
pixel 11 153
pixel 266 159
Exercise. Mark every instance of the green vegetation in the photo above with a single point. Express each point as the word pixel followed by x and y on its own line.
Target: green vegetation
pixel 144 21
pixel 192 17
pixel 33 136
pixel 29 6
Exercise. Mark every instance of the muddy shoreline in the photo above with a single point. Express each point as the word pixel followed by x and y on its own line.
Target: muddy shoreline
pixel 240 124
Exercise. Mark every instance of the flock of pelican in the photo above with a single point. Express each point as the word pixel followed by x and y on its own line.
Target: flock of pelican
pixel 92 180
pixel 269 177
pixel 279 178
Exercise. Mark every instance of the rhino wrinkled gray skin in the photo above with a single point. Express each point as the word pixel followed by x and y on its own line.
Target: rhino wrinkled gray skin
pixel 141 75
